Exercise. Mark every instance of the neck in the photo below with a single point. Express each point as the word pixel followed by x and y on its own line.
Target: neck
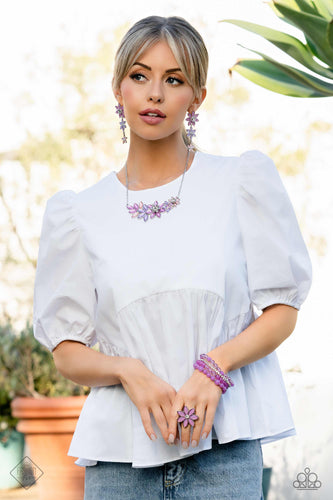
pixel 155 162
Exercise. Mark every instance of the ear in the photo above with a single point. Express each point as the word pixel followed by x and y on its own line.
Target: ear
pixel 117 93
pixel 119 98
pixel 196 103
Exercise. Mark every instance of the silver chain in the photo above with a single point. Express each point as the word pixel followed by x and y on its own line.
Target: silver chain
pixel 187 157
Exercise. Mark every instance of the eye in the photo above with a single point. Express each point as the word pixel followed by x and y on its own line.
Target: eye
pixel 134 75
pixel 175 79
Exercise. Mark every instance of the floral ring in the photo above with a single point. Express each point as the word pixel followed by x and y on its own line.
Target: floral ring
pixel 187 416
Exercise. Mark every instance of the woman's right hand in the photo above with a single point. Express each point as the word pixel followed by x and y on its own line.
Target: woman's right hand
pixel 149 393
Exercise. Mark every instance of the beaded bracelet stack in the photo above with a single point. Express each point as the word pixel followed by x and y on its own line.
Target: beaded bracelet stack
pixel 208 366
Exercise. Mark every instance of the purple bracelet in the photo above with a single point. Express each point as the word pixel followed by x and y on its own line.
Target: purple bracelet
pixel 200 365
pixel 213 376
pixel 210 361
pixel 208 366
pixel 216 372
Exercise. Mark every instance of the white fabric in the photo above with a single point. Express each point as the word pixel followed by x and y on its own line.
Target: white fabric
pixel 169 289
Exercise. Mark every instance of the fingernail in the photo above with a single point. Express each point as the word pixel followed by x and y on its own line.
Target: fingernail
pixel 171 439
pixel 204 435
pixel 185 445
pixel 153 437
pixel 177 441
pixel 194 443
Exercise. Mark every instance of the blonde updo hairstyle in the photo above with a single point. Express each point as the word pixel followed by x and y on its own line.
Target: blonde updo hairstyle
pixel 185 42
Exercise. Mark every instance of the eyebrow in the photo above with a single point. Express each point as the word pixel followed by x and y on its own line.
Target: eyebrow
pixel 172 70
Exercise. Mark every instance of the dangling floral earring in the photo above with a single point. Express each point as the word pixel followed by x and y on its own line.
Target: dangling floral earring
pixel 120 111
pixel 190 132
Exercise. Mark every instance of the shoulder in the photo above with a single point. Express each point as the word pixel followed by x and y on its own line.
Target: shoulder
pixel 253 155
pixel 254 161
pixel 217 164
pixel 68 204
pixel 59 222
pixel 213 159
pixel 90 198
pixel 59 208
pixel 260 180
pixel 250 165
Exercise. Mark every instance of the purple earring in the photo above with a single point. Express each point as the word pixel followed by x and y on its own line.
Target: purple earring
pixel 120 111
pixel 190 132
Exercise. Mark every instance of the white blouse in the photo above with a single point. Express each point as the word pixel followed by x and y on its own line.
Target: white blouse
pixel 168 289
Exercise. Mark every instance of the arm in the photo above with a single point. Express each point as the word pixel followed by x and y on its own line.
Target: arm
pixel 85 366
pixel 260 338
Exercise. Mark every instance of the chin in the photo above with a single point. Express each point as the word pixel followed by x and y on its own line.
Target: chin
pixel 152 137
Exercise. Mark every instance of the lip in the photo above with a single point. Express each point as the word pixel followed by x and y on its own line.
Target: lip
pixel 150 110
pixel 152 120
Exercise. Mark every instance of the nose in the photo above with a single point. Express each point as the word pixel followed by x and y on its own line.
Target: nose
pixel 155 99
pixel 155 93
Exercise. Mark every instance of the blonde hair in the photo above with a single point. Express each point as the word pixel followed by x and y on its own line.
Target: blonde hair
pixel 184 41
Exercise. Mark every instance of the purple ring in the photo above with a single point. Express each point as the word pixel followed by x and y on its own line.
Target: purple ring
pixel 187 416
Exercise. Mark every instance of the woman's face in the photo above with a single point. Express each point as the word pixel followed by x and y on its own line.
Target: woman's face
pixel 154 82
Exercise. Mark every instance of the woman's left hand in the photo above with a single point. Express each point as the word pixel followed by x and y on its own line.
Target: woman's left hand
pixel 201 393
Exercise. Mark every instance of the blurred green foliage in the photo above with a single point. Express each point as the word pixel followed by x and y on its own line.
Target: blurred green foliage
pixel 27 368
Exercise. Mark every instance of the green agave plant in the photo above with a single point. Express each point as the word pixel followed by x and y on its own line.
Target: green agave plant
pixel 315 20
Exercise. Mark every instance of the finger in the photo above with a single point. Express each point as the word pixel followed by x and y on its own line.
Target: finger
pixel 210 414
pixel 161 421
pixel 198 424
pixel 186 427
pixel 172 422
pixel 146 421
pixel 177 436
pixel 177 439
pixel 167 411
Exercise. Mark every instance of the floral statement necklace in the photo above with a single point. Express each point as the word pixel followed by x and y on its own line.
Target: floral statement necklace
pixel 144 211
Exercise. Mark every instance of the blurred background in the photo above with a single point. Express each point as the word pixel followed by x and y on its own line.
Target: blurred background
pixel 59 130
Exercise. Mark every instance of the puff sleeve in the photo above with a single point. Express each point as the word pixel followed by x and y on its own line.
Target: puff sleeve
pixel 279 269
pixel 64 293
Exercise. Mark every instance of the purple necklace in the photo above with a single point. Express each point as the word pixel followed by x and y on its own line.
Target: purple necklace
pixel 144 211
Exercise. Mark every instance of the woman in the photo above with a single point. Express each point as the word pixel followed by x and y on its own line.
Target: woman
pixel 163 263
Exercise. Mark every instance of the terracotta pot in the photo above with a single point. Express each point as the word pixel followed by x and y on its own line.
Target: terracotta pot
pixel 48 425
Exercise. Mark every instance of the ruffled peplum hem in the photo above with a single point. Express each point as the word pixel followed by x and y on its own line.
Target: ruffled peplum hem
pixel 256 407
